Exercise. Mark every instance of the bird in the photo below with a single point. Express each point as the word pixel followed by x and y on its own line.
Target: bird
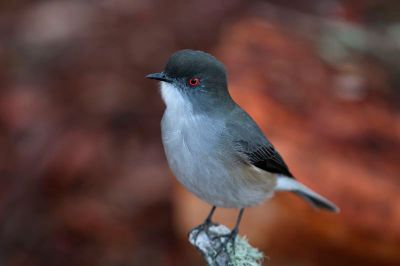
pixel 213 147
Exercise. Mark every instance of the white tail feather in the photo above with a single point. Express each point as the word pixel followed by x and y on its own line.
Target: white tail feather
pixel 289 184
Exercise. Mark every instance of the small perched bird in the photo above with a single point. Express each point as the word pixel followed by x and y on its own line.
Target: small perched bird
pixel 213 147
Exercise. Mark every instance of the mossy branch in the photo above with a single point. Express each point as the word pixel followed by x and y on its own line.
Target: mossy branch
pixel 209 244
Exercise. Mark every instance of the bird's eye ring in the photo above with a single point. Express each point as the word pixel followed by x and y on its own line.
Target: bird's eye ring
pixel 194 82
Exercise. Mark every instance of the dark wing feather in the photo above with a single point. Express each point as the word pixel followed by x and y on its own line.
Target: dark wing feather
pixel 265 157
pixel 251 144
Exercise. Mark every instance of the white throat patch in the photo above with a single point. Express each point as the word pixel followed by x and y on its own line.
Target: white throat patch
pixel 173 98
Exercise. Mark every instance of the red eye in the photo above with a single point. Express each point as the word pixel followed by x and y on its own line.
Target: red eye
pixel 194 82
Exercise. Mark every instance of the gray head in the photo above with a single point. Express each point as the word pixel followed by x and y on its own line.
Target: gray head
pixel 198 76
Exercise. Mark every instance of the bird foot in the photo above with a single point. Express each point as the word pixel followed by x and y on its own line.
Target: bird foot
pixel 204 227
pixel 228 238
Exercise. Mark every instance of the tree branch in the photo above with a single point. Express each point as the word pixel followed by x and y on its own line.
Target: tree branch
pixel 209 244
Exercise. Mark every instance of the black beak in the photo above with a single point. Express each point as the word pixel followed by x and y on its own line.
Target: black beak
pixel 159 76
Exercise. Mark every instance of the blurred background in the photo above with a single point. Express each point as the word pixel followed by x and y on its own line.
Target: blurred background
pixel 83 178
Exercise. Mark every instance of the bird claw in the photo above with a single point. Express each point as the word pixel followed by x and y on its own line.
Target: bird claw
pixel 230 238
pixel 204 227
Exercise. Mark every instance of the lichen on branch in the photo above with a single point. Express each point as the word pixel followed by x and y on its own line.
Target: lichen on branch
pixel 209 243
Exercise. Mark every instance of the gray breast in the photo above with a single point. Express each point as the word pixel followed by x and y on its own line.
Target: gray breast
pixel 204 168
pixel 197 155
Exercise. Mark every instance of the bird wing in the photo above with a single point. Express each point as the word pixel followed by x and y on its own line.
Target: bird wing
pixel 249 143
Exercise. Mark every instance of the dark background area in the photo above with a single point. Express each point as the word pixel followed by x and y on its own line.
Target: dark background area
pixel 83 178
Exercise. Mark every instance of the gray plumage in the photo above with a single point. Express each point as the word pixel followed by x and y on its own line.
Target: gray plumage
pixel 213 147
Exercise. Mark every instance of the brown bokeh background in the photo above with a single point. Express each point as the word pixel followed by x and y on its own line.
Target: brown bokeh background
pixel 83 178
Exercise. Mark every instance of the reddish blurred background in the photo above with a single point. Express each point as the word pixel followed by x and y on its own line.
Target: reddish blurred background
pixel 84 180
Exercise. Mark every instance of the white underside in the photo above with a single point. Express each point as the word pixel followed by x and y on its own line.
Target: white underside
pixel 191 146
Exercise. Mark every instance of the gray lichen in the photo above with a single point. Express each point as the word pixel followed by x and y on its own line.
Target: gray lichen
pixel 209 245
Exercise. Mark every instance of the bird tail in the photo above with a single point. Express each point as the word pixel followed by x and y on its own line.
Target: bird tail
pixel 290 184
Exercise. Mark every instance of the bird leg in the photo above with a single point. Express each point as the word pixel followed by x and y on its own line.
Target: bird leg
pixel 205 226
pixel 231 237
